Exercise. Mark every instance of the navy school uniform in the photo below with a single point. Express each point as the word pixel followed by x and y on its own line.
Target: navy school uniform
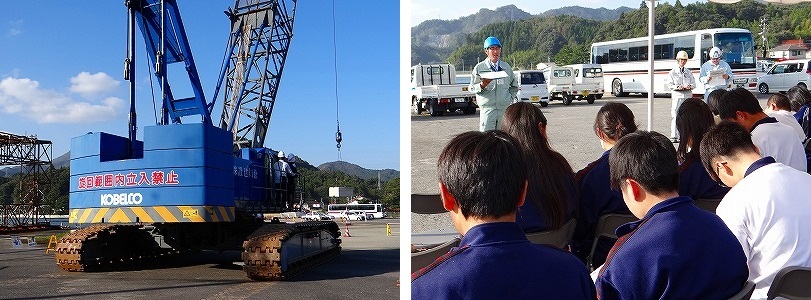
pixel 496 261
pixel 596 199
pixel 532 220
pixel 695 182
pixel 677 251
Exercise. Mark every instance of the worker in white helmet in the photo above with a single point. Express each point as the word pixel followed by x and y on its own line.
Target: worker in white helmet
pixel 493 95
pixel 714 64
pixel 282 176
pixel 681 83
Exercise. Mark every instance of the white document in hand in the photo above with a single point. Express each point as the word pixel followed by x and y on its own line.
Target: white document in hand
pixel 717 77
pixel 493 75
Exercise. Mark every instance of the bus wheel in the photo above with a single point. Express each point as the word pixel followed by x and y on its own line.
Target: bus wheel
pixel 616 88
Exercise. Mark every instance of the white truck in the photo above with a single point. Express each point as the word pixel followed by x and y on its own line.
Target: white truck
pixel 434 89
pixel 562 83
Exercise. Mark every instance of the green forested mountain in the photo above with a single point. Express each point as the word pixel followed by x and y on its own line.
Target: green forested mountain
pixel 566 39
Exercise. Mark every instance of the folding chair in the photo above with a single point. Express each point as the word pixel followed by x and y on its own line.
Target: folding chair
pixel 422 259
pixel 607 227
pixel 707 204
pixel 557 238
pixel 745 293
pixel 791 283
pixel 427 204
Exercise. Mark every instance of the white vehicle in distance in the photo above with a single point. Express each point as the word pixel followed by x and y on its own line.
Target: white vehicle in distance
pixel 785 75
pixel 317 216
pixel 532 87
pixel 588 80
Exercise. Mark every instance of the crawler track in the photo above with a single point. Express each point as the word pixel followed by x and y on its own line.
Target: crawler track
pixel 281 251
pixel 103 245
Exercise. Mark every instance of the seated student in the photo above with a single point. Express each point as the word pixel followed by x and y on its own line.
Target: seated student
pixel 767 208
pixel 614 120
pixel 676 250
pixel 772 138
pixel 712 101
pixel 779 107
pixel 800 99
pixel 482 181
pixel 551 193
pixel 693 119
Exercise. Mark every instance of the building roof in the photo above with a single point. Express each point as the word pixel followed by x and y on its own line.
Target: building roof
pixel 790 45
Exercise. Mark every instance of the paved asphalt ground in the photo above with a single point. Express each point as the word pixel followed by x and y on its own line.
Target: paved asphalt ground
pixel 570 133
pixel 368 268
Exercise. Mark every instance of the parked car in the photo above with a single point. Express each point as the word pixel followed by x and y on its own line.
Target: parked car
pixel 317 216
pixel 533 87
pixel 354 216
pixel 784 75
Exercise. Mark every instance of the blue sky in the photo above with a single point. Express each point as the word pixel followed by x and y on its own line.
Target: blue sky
pixel 422 10
pixel 62 65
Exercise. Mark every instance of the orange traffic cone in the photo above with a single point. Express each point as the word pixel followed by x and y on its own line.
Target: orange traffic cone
pixel 346 230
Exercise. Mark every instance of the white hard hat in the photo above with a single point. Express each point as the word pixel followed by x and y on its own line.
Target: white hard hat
pixel 715 52
pixel 281 154
pixel 682 55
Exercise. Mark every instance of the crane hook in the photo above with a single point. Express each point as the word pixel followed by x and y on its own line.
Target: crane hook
pixel 338 138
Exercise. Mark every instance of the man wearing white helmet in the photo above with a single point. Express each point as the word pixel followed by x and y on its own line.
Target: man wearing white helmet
pixel 282 176
pixel 493 95
pixel 681 83
pixel 715 63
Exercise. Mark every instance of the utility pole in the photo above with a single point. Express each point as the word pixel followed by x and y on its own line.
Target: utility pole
pixel 763 35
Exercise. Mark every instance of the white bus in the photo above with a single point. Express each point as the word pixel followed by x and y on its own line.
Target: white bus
pixel 625 62
pixel 372 211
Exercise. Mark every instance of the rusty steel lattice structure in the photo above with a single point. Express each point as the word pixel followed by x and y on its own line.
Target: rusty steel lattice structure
pixel 33 157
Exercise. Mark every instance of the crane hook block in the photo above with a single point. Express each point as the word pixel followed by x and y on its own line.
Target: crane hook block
pixel 338 138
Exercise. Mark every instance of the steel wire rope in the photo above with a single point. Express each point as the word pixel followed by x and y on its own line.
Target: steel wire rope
pixel 338 137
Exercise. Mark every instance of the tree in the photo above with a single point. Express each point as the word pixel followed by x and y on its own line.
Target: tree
pixel 572 54
pixel 391 194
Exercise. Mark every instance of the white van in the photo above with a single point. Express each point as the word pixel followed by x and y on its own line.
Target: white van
pixel 784 75
pixel 532 87
pixel 589 78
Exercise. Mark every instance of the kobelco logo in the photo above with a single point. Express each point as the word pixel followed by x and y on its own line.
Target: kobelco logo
pixel 121 199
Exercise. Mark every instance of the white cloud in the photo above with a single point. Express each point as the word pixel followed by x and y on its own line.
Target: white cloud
pixel 24 97
pixel 91 85
pixel 15 27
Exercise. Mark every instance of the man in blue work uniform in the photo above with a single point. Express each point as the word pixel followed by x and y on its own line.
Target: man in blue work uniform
pixel 482 181
pixel 715 64
pixel 493 95
pixel 676 250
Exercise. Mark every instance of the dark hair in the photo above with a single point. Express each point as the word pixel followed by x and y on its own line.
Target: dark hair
pixel 798 96
pixel 713 98
pixel 647 157
pixel 779 101
pixel 693 119
pixel 725 139
pixel 737 100
pixel 484 171
pixel 548 172
pixel 615 120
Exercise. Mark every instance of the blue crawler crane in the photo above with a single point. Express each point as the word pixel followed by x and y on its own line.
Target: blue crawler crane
pixel 195 185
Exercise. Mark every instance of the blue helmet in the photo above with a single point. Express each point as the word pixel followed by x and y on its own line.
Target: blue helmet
pixel 491 41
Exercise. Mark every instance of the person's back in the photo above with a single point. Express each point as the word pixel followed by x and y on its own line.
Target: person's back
pixel 675 239
pixel 676 250
pixel 495 260
pixel 613 121
pixel 551 191
pixel 779 107
pixel 767 208
pixel 693 119
pixel 482 179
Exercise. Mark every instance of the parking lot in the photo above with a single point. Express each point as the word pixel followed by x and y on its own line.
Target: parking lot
pixel 367 268
pixel 569 129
